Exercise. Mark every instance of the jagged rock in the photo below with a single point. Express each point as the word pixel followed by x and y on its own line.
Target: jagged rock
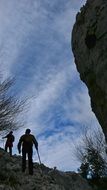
pixel 89 45
pixel 44 178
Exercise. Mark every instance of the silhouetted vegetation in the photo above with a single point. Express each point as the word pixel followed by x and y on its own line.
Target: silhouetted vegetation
pixel 98 184
pixel 10 107
pixel 92 154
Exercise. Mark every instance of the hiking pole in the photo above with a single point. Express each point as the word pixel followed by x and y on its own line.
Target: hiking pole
pixel 41 172
pixel 38 156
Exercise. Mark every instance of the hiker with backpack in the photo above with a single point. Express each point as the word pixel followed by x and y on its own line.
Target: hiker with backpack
pixel 26 141
pixel 9 142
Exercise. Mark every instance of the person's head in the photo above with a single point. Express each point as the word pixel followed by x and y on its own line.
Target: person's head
pixel 28 131
pixel 11 132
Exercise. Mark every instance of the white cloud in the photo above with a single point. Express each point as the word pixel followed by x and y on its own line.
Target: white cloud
pixel 50 92
pixel 36 46
pixel 79 108
pixel 17 20
pixel 57 151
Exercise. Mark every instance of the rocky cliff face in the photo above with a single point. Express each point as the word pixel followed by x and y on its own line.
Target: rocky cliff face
pixel 11 177
pixel 89 45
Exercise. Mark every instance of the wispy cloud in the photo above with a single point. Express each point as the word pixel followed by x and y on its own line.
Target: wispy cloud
pixel 35 47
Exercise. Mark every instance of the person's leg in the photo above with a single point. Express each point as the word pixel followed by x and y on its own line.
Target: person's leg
pixel 10 150
pixel 23 160
pixel 6 147
pixel 30 162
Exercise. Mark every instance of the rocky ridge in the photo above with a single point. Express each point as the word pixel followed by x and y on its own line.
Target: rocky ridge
pixel 44 178
pixel 89 45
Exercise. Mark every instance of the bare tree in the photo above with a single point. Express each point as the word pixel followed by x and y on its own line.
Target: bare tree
pixel 91 152
pixel 10 107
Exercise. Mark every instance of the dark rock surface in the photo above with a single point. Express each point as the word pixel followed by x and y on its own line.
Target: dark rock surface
pixel 89 45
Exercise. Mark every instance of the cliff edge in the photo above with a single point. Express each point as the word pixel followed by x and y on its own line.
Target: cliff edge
pixel 89 45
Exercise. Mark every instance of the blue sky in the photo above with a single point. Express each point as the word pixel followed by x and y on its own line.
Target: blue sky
pixel 35 48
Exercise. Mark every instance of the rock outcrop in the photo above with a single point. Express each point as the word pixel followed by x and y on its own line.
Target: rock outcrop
pixel 89 45
pixel 44 178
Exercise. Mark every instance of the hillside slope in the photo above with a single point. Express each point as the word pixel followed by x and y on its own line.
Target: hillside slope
pixel 44 178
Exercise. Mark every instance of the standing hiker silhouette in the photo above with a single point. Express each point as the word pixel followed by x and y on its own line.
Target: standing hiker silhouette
pixel 26 141
pixel 9 142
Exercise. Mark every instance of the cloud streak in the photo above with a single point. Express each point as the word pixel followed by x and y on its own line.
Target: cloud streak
pixel 35 47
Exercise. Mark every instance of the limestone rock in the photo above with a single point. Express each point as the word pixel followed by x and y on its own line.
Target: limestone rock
pixel 89 45
pixel 44 178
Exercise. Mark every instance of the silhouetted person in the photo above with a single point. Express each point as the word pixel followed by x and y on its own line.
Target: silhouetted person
pixel 9 142
pixel 26 141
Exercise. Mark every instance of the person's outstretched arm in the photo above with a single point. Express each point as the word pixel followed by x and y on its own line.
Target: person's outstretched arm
pixel 5 137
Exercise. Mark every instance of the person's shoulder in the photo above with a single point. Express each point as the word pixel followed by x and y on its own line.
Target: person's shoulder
pixel 32 136
pixel 23 136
